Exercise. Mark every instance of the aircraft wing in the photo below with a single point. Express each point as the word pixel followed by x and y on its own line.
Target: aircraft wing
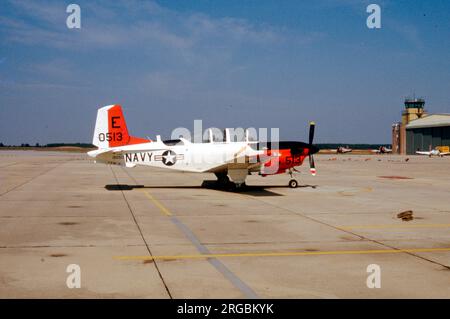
pixel 444 153
pixel 251 167
pixel 423 153
pixel 252 161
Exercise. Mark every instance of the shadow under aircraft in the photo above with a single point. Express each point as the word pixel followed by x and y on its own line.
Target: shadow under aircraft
pixel 252 190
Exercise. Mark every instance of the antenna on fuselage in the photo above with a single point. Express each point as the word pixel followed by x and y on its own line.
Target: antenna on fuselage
pixel 227 135
pixel 211 136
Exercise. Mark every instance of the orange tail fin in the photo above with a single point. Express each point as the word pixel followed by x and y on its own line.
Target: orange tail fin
pixel 111 129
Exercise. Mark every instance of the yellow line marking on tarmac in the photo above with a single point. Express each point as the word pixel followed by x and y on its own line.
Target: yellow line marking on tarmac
pixel 286 254
pixel 157 203
pixel 217 264
pixel 393 226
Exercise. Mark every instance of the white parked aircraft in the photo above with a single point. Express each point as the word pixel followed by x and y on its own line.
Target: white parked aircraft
pixel 382 150
pixel 343 150
pixel 227 159
pixel 434 152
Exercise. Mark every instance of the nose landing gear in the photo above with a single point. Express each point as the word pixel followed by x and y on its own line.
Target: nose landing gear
pixel 293 182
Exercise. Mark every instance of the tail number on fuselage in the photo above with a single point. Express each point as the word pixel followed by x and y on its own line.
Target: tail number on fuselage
pixel 110 137
pixel 294 159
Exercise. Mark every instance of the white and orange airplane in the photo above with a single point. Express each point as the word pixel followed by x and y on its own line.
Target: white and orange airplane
pixel 230 161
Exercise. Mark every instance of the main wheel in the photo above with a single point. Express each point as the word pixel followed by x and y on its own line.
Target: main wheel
pixel 238 187
pixel 293 183
pixel 222 179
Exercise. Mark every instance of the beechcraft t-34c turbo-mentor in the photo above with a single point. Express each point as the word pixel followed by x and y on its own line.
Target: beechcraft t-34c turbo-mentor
pixel 230 161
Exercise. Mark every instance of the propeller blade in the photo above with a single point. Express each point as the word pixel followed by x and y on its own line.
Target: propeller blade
pixel 312 125
pixel 312 166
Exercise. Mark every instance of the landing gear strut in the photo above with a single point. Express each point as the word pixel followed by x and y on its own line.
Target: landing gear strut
pixel 293 182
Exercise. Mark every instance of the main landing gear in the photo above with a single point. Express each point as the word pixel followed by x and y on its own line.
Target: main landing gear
pixel 223 179
pixel 224 182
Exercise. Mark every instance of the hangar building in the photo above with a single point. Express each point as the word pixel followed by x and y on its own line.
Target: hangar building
pixel 430 131
pixel 418 130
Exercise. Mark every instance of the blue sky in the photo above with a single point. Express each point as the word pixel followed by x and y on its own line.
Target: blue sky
pixel 230 63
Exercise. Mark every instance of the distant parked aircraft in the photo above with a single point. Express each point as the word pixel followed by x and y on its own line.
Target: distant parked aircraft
pixel 435 152
pixel 382 150
pixel 343 150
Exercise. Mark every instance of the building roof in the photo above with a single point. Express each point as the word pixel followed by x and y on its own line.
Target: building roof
pixel 433 120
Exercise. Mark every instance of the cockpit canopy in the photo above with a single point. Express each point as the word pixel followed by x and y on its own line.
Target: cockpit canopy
pixel 173 142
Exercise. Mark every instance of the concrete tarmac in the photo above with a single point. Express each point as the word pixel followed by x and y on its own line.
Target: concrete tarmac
pixel 151 233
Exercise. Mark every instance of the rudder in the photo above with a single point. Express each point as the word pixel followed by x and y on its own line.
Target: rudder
pixel 111 129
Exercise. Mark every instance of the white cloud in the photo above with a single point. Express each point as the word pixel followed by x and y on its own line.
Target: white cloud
pixel 192 45
pixel 43 23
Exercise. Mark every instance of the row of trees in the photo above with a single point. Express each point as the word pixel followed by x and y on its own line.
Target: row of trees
pixel 21 145
pixel 86 145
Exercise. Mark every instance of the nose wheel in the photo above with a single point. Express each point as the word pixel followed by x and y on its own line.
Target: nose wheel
pixel 293 183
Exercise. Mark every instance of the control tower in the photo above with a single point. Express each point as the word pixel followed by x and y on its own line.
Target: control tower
pixel 414 109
